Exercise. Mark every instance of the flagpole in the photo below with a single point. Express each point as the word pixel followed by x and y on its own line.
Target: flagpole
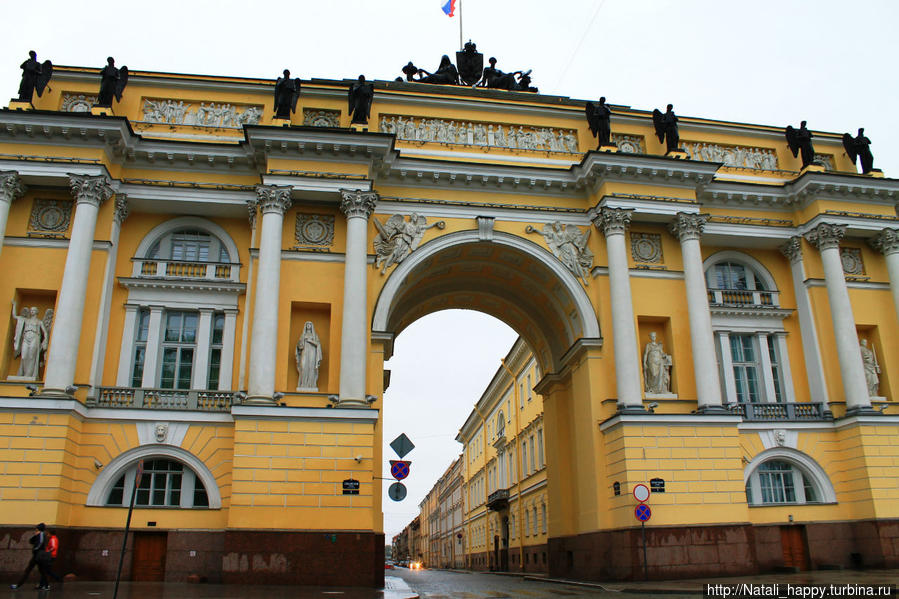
pixel 460 25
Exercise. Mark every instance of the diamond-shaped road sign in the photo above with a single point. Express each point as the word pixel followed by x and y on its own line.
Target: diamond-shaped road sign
pixel 402 445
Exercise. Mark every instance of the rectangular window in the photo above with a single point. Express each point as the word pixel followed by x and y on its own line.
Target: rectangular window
pixel 521 395
pixel 777 484
pixel 190 246
pixel 140 348
pixel 540 461
pixel 530 389
pixel 543 520
pixel 215 351
pixel 745 364
pixel 527 522
pixel 775 368
pixel 533 455
pixel 178 347
pixel 524 458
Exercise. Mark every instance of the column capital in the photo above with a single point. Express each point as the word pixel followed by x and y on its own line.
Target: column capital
pixel 826 236
pixel 274 198
pixel 792 249
pixel 613 221
pixel 252 208
pixel 358 203
pixel 886 242
pixel 121 208
pixel 92 190
pixel 688 226
pixel 11 186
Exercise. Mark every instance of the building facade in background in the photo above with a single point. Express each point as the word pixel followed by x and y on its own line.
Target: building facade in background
pixel 197 290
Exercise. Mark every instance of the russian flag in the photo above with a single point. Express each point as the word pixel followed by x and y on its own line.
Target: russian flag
pixel 448 6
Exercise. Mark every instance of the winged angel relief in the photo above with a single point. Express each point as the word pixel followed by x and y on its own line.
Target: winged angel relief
pixel 569 245
pixel 398 237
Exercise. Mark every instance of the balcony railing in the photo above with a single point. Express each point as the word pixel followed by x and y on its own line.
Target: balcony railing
pixel 743 297
pixel 179 269
pixel 766 412
pixel 498 499
pixel 165 399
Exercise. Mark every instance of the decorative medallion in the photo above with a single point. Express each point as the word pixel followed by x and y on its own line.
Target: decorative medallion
pixel 51 216
pixel 315 229
pixel 825 160
pixel 852 261
pixel 77 103
pixel 313 117
pixel 646 247
pixel 629 144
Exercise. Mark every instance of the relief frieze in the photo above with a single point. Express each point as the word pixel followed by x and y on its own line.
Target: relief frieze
pixel 739 156
pixel 172 112
pixel 473 133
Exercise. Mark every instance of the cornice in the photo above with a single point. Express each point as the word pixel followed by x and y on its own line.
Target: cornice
pixel 183 285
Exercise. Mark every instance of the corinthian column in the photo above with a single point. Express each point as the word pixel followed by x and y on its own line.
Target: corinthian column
pixel 887 242
pixel 688 228
pixel 826 237
pixel 11 188
pixel 357 206
pixel 613 222
pixel 273 202
pixel 62 356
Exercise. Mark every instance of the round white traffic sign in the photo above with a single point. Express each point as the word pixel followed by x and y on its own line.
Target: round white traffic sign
pixel 641 492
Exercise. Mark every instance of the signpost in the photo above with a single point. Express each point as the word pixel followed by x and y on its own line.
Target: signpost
pixel 399 469
pixel 137 476
pixel 402 445
pixel 642 513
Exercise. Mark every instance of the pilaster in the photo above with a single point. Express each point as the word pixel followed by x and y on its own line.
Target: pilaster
pixel 11 188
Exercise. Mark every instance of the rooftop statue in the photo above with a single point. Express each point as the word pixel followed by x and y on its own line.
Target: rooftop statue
pixel 446 73
pixel 287 91
pixel 360 97
pixel 859 147
pixel 35 77
pixel 599 118
pixel 800 140
pixel 471 64
pixel 666 127
pixel 410 71
pixel 497 79
pixel 112 83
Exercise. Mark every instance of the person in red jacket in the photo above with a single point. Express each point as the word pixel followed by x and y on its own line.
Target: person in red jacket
pixel 52 550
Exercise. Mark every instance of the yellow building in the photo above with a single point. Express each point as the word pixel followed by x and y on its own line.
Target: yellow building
pixel 240 360
pixel 505 470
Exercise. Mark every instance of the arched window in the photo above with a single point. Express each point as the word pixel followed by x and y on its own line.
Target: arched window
pixel 786 476
pixel 164 483
pixel 189 245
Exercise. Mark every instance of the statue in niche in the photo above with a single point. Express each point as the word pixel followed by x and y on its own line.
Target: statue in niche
pixel 30 340
pixel 287 91
pixel 35 77
pixel 599 117
pixel 48 326
pixel 112 83
pixel 360 97
pixel 872 368
pixel 397 238
pixel 308 357
pixel 656 367
pixel 859 147
pixel 446 73
pixel 666 127
pixel 470 63
pixel 569 245
pixel 800 142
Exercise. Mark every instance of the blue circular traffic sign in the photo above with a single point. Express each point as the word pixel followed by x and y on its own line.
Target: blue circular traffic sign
pixel 642 512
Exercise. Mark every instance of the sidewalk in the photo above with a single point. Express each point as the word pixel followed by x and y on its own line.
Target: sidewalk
pixel 697 585
pixel 394 588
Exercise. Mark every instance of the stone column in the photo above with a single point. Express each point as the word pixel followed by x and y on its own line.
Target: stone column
pixel 613 222
pixel 62 356
pixel 273 201
pixel 11 188
pixel 811 350
pixel 887 242
pixel 688 228
pixel 357 206
pixel 826 237
pixel 99 358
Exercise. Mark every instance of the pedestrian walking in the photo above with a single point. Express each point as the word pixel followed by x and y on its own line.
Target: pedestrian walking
pixel 39 557
pixel 52 550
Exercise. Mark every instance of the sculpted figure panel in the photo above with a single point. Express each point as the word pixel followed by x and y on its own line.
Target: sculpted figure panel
pixel 397 238
pixel 29 341
pixel 569 245
pixel 212 115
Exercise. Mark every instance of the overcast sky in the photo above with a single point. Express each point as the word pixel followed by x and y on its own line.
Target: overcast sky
pixel 832 63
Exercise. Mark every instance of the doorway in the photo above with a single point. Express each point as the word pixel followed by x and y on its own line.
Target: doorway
pixel 148 561
pixel 792 539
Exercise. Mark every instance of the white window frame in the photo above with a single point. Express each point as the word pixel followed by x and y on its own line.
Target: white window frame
pixel 802 464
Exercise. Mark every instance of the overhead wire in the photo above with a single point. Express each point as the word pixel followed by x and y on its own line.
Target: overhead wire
pixel 580 43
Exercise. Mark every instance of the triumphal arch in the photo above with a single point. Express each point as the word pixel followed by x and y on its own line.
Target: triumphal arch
pixel 206 275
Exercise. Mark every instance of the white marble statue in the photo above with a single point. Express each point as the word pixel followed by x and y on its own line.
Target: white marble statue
pixel 569 245
pixel 30 340
pixel 872 368
pixel 308 357
pixel 397 238
pixel 656 365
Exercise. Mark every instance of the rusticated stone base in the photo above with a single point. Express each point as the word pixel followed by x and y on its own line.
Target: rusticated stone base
pixel 253 557
pixel 700 551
